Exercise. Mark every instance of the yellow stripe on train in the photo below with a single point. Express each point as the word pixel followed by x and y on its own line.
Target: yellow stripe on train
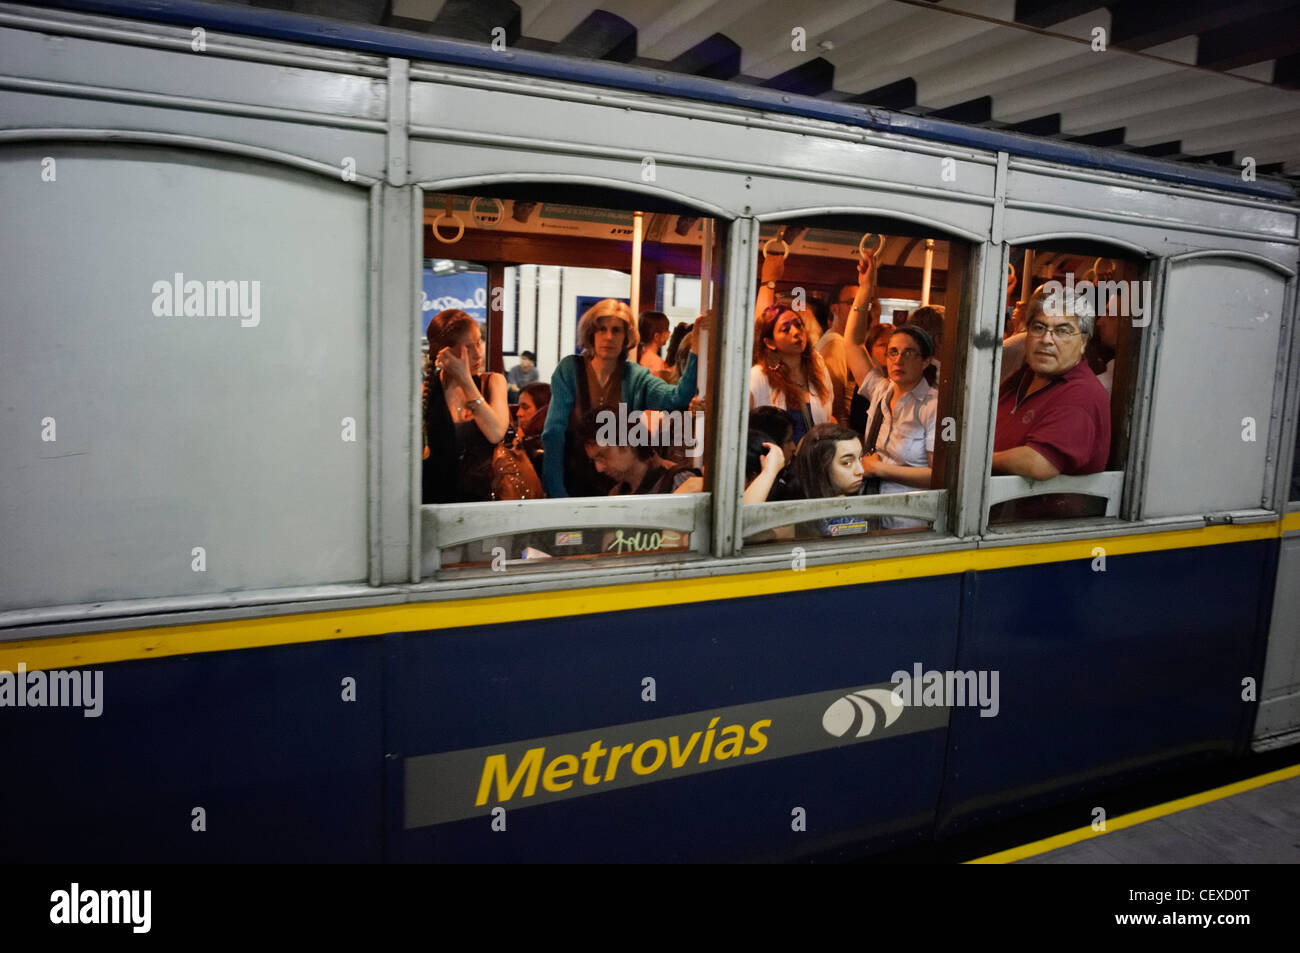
pixel 159 642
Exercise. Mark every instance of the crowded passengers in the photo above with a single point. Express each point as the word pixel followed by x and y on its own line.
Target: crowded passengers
pixel 850 410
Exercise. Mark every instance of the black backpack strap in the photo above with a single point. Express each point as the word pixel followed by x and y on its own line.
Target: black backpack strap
pixel 859 407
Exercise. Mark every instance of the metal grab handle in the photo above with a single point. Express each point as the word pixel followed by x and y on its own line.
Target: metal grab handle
pixel 862 245
pixel 460 229
pixel 448 214
pixel 772 241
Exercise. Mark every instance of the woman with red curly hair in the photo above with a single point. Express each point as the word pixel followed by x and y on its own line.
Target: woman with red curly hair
pixel 788 372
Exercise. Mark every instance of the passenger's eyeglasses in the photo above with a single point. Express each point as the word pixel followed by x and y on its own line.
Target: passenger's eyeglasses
pixel 910 353
pixel 1061 332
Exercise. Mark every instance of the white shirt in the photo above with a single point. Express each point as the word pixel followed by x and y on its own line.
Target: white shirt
pixel 906 436
pixel 874 377
pixel 764 396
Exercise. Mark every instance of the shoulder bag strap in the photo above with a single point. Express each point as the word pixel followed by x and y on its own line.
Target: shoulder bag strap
pixel 876 420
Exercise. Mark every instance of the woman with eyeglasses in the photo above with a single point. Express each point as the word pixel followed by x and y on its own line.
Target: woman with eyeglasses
pixel 899 445
pixel 788 372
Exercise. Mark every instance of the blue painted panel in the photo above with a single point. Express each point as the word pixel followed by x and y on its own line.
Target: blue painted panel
pixel 261 739
pixel 469 688
pixel 1103 674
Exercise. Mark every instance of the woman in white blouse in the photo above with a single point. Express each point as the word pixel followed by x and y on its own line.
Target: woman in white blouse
pixel 906 405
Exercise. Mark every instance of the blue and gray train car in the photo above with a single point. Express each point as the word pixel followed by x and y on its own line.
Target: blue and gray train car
pixel 231 630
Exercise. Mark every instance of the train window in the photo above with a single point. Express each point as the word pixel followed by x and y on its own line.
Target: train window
pixel 851 389
pixel 567 351
pixel 1072 335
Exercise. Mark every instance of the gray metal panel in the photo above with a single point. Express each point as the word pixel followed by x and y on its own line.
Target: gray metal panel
pixel 1135 483
pixel 1288 395
pixel 1107 485
pixel 1279 694
pixel 530 112
pixel 162 36
pixel 735 328
pixel 177 432
pixel 979 398
pixel 930 505
pixel 455 524
pixel 158 84
pixel 1215 368
pixel 722 165
pixel 395 411
pixel 136 112
pixel 1142 234
pixel 1111 198
pixel 185 72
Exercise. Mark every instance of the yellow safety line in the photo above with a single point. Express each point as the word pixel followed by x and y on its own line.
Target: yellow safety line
pixel 161 641
pixel 1137 817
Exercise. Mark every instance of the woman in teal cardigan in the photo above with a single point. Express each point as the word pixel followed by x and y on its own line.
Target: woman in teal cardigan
pixel 600 378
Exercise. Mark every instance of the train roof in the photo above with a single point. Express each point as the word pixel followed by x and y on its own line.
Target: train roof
pixel 280 25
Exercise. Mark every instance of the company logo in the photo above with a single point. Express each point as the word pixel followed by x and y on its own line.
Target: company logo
pixel 471 782
pixel 601 764
pixel 858 714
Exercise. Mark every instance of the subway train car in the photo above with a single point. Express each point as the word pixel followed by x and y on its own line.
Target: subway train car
pixel 230 629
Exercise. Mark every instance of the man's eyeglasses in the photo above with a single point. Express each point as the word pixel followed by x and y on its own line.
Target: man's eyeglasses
pixel 910 353
pixel 1059 332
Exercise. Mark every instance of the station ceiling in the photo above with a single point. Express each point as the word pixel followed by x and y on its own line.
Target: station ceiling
pixel 1190 80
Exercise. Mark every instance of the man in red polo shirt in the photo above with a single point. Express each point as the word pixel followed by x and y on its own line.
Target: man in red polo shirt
pixel 1053 415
